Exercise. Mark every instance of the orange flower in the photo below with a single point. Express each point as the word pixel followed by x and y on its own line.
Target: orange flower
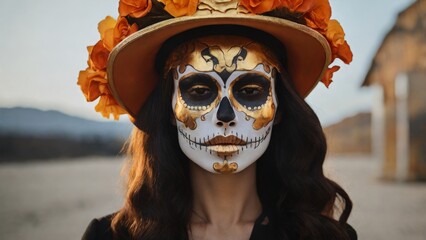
pixel 122 29
pixel 99 56
pixel 343 52
pixel 336 38
pixel 328 75
pixel 335 33
pixel 260 6
pixel 106 30
pixel 295 5
pixel 317 13
pixel 134 8
pixel 89 81
pixel 113 32
pixel 178 8
pixel 107 106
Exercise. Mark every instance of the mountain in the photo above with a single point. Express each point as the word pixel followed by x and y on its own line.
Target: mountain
pixel 351 135
pixel 38 123
pixel 28 134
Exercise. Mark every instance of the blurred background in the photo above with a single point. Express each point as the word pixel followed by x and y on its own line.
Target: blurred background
pixel 60 161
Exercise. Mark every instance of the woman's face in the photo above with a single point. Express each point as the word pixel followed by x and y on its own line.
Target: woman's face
pixel 224 101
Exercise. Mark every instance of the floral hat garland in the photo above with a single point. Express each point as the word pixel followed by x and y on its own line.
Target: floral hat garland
pixel 93 80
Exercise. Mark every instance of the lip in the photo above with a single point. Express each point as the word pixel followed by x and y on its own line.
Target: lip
pixel 225 141
pixel 224 146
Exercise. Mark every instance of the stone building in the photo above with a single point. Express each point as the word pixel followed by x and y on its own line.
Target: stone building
pixel 398 71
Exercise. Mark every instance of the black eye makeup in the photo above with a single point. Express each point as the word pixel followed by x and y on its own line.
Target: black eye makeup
pixel 251 90
pixel 198 89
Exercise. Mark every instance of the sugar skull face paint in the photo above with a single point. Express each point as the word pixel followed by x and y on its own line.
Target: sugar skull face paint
pixel 224 101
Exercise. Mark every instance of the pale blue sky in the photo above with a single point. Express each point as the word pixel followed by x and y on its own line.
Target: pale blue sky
pixel 43 47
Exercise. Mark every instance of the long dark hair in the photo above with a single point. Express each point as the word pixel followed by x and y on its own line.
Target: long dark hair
pixel 291 185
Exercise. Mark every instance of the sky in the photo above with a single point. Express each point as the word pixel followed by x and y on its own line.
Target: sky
pixel 43 47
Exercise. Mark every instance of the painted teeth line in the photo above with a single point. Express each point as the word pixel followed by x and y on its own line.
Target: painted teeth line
pixel 258 141
pixel 249 142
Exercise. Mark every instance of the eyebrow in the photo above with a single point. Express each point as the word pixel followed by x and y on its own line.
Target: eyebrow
pixel 196 77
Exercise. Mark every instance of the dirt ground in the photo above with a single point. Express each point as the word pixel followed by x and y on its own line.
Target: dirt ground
pixel 56 200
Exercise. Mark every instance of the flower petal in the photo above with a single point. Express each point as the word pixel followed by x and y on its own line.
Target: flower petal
pixel 134 8
pixel 328 75
pixel 178 8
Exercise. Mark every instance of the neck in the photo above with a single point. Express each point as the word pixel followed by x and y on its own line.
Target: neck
pixel 224 200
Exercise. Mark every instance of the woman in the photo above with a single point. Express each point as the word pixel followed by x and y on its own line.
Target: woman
pixel 224 147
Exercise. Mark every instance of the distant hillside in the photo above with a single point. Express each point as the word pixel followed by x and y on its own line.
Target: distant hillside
pixel 34 122
pixel 351 135
pixel 27 134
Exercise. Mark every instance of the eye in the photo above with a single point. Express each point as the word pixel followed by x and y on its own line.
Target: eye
pixel 199 90
pixel 250 90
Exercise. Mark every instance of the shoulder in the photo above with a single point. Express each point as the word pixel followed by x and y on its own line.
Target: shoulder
pixel 99 229
pixel 351 232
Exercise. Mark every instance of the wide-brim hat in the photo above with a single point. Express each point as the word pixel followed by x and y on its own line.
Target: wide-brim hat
pixel 131 69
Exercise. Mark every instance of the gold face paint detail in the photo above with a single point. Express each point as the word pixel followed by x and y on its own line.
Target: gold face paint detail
pixel 188 114
pixel 218 53
pixel 208 7
pixel 225 167
pixel 262 115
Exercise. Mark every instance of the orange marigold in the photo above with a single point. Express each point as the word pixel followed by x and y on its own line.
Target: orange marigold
pixel 178 8
pixel 260 6
pixel 134 8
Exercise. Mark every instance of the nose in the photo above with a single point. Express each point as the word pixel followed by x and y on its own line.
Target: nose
pixel 225 114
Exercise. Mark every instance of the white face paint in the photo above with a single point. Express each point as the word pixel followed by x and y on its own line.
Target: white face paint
pixel 224 116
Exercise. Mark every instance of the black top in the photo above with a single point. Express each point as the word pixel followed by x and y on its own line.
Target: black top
pixel 100 229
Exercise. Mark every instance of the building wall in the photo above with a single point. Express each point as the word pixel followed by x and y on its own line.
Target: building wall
pixel 402 51
pixel 416 102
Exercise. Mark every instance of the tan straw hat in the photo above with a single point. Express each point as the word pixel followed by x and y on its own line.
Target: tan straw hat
pixel 122 64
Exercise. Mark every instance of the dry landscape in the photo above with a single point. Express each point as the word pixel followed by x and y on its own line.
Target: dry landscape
pixel 56 200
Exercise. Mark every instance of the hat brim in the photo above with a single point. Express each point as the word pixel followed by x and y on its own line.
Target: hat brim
pixel 131 65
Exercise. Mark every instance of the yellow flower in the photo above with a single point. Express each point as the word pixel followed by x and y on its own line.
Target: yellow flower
pixel 259 6
pixel 134 8
pixel 178 8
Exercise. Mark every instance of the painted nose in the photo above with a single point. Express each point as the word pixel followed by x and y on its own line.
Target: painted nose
pixel 225 113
